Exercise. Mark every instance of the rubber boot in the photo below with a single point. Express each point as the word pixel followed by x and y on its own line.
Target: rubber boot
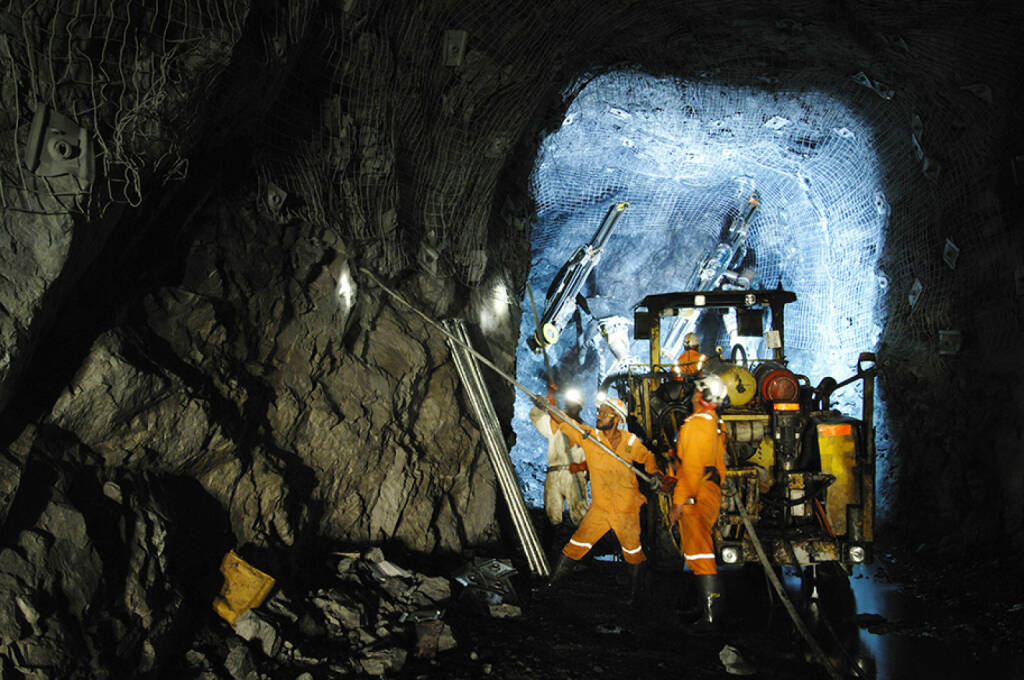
pixel 563 566
pixel 637 574
pixel 710 589
pixel 689 605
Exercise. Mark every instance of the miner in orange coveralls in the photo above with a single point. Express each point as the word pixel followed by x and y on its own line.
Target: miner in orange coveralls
pixel 690 362
pixel 616 497
pixel 697 497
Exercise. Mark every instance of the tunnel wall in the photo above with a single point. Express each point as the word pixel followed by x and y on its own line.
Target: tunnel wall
pixel 197 317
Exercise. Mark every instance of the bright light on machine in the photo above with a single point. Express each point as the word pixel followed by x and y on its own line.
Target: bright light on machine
pixel 346 290
pixel 601 397
pixel 856 553
pixel 573 396
pixel 730 554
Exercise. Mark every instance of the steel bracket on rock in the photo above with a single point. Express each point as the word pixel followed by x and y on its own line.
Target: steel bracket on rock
pixel 58 146
pixel 275 198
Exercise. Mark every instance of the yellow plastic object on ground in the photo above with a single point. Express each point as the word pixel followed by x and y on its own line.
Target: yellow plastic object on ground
pixel 245 587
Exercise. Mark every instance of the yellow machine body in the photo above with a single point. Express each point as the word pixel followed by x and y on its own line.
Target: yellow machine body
pixel 837 445
pixel 740 383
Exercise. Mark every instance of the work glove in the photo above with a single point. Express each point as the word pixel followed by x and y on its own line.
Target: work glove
pixel 653 480
pixel 540 402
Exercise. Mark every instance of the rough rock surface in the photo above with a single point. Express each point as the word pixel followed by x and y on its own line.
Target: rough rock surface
pixel 99 576
pixel 183 327
pixel 224 337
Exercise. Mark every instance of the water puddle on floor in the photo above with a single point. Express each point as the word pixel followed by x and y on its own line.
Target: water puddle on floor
pixel 910 644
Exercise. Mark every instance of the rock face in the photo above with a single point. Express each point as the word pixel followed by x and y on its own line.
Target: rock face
pixel 186 329
pixel 308 409
pixel 104 573
pixel 248 377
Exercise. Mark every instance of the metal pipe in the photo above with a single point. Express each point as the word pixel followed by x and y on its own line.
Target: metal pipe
pixel 816 649
pixel 438 326
pixel 497 450
pixel 867 497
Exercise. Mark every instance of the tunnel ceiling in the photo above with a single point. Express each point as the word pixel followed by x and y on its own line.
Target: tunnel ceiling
pixel 190 192
pixel 687 157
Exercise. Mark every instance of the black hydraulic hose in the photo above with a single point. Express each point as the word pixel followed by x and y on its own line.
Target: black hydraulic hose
pixel 816 649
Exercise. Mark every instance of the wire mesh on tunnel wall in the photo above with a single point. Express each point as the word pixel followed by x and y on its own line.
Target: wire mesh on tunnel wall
pixel 829 160
pixel 687 156
pixel 99 98
pixel 414 128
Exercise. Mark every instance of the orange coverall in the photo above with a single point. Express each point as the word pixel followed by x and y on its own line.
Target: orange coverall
pixel 616 497
pixel 690 362
pixel 701 445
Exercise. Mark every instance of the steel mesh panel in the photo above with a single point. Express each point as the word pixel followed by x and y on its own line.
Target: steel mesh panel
pixel 685 154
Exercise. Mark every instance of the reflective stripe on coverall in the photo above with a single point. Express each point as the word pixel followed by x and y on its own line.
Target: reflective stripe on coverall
pixel 690 362
pixel 616 497
pixel 701 444
pixel 561 487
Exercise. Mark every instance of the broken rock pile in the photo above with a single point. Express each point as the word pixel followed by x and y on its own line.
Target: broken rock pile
pixel 366 623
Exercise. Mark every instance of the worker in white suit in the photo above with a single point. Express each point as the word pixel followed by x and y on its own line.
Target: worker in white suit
pixel 566 482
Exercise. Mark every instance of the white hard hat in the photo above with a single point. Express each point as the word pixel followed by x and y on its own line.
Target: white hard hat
pixel 712 389
pixel 691 341
pixel 615 405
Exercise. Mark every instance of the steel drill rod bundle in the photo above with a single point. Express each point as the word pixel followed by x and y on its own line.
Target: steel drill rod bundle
pixel 476 391
pixel 650 479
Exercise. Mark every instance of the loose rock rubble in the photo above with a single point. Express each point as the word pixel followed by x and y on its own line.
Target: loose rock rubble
pixel 368 621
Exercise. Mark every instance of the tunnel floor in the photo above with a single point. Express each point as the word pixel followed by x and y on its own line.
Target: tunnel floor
pixel 916 612
pixel 906 616
pixel 585 628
